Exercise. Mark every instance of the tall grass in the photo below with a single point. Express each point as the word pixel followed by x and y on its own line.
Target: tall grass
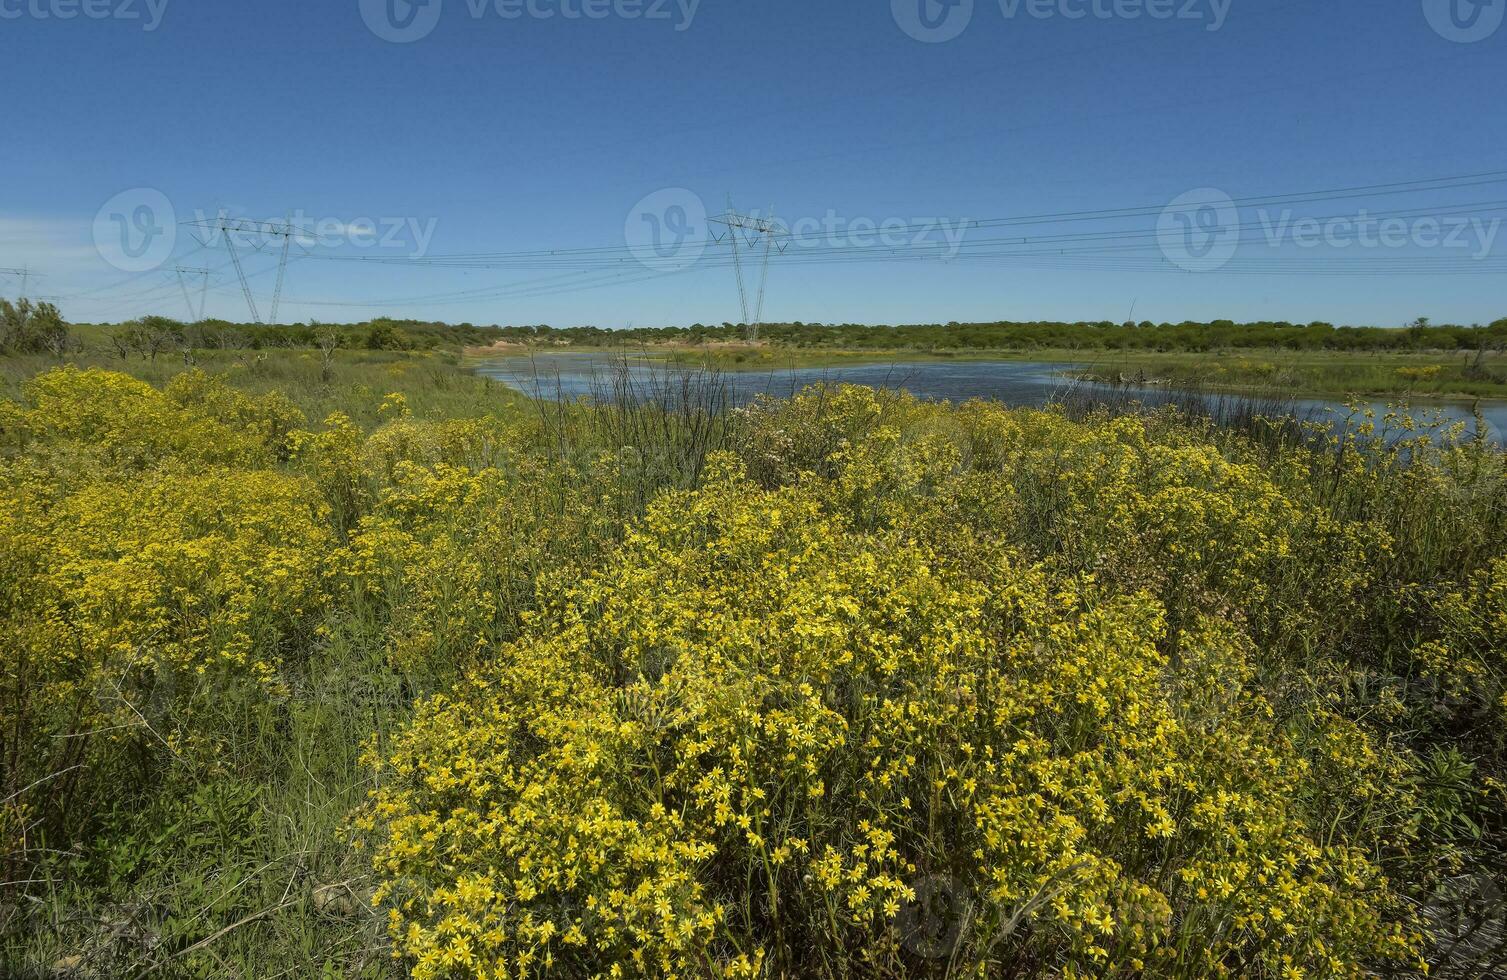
pixel 1274 416
pixel 660 419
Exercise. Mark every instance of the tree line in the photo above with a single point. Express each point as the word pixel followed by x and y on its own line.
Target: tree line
pixel 27 327
pixel 1005 335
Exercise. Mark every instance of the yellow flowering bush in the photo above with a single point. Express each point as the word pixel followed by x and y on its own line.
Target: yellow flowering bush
pixel 760 738
pixel 1139 503
pixel 1201 531
pixel 148 580
pixel 1469 656
pixel 419 552
pixel 842 685
pixel 120 420
pixel 460 536
pixel 270 418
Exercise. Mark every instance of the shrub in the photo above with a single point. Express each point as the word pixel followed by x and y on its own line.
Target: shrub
pixel 761 740
pixel 150 587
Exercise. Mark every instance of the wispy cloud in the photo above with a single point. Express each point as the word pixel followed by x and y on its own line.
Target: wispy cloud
pixel 47 245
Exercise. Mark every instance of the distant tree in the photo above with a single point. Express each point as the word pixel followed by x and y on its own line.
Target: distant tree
pixel 329 342
pixel 151 335
pixel 13 319
pixel 232 338
pixel 33 328
pixel 14 324
pixel 1494 337
pixel 384 335
pixel 51 331
pixel 189 340
pixel 120 344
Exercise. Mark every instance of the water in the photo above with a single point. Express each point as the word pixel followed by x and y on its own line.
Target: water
pixel 1017 383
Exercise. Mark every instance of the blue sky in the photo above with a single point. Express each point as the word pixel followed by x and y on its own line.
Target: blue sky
pixel 513 131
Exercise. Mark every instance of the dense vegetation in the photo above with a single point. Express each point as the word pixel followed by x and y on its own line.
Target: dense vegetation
pixel 349 664
pixel 32 328
pixel 152 336
pixel 1106 336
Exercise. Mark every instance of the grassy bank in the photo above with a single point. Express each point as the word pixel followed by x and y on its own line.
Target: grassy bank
pixel 1415 376
pixel 356 382
pixel 373 668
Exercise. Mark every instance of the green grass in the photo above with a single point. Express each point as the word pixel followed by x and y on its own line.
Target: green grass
pixel 433 383
pixel 1320 373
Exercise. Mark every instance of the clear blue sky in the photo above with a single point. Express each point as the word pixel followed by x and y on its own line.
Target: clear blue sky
pixel 504 134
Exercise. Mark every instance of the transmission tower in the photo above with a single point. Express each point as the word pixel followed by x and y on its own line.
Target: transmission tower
pixel 23 274
pixel 751 231
pixel 240 271
pixel 229 227
pixel 282 269
pixel 764 276
pixel 183 275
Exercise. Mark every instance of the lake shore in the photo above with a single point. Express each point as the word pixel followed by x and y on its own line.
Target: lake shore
pixel 1424 377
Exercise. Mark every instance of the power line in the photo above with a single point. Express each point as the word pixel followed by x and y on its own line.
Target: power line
pixel 25 275
pixel 1043 246
pixel 621 253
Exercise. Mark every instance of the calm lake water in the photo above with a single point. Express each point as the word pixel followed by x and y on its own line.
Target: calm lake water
pixel 1020 383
